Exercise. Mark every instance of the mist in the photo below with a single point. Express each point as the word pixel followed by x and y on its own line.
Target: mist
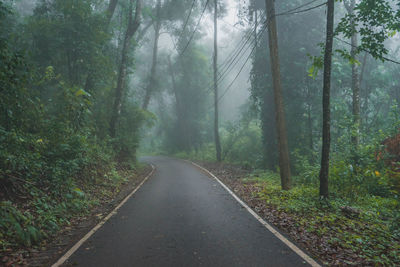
pixel 218 114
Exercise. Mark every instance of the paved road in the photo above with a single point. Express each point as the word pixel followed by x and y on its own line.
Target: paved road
pixel 181 217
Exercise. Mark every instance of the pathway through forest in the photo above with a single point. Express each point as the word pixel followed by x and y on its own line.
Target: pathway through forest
pixel 182 217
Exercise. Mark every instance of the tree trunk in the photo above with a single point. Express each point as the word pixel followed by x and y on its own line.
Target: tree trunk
pixel 355 85
pixel 284 161
pixel 182 129
pixel 355 81
pixel 326 123
pixel 110 11
pixel 152 82
pixel 216 131
pixel 133 25
pixel 176 94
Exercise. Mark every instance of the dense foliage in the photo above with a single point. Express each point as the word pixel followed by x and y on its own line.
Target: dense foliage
pixel 57 78
pixel 70 69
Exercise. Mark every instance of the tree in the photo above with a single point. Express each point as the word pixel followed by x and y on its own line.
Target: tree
pixel 152 82
pixel 133 25
pixel 112 4
pixel 326 123
pixel 355 81
pixel 284 161
pixel 216 100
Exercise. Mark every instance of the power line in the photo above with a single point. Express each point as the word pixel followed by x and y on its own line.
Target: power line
pixel 367 51
pixel 187 20
pixel 195 29
pixel 244 64
pixel 289 12
pixel 300 11
pixel 230 59
pixel 235 55
pixel 298 7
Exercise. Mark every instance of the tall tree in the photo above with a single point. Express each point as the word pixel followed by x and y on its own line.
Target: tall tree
pixel 216 131
pixel 112 4
pixel 152 81
pixel 326 121
pixel 133 25
pixel 284 161
pixel 355 81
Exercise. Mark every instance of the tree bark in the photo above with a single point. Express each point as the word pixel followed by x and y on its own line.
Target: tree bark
pixel 110 11
pixel 182 129
pixel 152 82
pixel 216 131
pixel 326 123
pixel 355 81
pixel 133 25
pixel 284 161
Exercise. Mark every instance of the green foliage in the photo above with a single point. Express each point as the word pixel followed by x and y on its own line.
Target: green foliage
pixel 371 233
pixel 17 226
pixel 54 106
pixel 316 65
pixel 375 21
pixel 241 143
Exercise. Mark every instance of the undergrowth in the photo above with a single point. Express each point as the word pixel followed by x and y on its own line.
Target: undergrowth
pixel 368 225
pixel 30 221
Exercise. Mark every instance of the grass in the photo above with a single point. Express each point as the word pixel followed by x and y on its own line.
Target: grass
pixel 368 234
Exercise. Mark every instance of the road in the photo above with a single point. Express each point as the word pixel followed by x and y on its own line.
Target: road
pixel 182 217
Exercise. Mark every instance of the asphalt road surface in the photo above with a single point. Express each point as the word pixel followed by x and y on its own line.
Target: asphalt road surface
pixel 182 217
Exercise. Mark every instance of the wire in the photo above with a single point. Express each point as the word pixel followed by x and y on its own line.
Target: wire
pixel 296 8
pixel 367 51
pixel 289 12
pixel 195 29
pixel 187 20
pixel 300 11
pixel 244 64
pixel 235 55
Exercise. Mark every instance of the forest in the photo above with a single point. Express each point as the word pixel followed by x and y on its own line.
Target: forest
pixel 294 105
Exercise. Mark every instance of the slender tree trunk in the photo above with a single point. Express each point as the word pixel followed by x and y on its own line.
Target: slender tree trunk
pixel 176 93
pixel 255 28
pixel 182 129
pixel 171 71
pixel 363 67
pixel 110 11
pixel 284 161
pixel 152 82
pixel 326 123
pixel 355 84
pixel 310 123
pixel 216 131
pixel 355 81
pixel 133 25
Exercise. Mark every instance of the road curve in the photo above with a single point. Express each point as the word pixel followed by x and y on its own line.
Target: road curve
pixel 182 217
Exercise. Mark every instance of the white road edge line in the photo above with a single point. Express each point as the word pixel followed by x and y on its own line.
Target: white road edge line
pixel 298 251
pixel 100 224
